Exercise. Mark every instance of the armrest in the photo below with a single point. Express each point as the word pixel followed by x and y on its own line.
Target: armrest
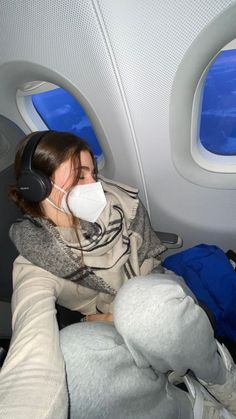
pixel 171 240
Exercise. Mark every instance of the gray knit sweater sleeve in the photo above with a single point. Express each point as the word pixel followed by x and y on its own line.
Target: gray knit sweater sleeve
pixel 151 245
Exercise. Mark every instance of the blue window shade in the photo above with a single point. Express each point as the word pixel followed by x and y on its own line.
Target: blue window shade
pixel 218 117
pixel 62 112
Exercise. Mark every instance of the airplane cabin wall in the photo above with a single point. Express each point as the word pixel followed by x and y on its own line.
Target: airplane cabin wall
pixel 120 59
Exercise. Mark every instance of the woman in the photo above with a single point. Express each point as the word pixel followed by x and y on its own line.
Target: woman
pixel 81 241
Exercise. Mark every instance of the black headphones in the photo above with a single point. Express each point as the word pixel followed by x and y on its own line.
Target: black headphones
pixel 33 185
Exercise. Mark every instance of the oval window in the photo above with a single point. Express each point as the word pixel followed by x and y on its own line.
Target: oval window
pixel 217 125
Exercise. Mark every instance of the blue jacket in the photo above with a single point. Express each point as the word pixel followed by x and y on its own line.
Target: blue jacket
pixel 211 277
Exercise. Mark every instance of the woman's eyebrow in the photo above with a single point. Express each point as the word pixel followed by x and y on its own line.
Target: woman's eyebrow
pixel 87 168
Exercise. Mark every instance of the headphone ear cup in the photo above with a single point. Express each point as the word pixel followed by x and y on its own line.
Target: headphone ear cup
pixel 34 186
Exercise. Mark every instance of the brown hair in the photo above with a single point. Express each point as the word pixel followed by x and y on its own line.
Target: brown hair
pixel 53 149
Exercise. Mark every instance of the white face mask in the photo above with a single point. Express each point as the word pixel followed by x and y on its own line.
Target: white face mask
pixel 84 201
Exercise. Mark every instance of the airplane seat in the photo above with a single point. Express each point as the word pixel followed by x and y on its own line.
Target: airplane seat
pixel 10 134
pixel 8 214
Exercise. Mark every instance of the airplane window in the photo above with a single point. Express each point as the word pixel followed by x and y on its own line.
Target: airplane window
pixel 60 111
pixel 217 125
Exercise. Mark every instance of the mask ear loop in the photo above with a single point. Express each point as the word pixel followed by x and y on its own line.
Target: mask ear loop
pixel 52 203
pixel 55 206
pixel 58 187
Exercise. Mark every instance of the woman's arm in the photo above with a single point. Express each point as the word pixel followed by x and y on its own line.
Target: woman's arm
pixel 32 379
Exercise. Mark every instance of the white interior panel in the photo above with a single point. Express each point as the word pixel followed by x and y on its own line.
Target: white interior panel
pixel 120 59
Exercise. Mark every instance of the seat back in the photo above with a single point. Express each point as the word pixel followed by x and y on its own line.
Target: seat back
pixel 10 134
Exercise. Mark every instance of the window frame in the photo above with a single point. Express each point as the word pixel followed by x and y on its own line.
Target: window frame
pixel 190 160
pixel 31 116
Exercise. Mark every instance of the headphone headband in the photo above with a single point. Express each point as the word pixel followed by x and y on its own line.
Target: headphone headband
pixel 28 152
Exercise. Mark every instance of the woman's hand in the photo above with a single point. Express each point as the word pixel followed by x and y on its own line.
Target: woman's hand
pixel 99 317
